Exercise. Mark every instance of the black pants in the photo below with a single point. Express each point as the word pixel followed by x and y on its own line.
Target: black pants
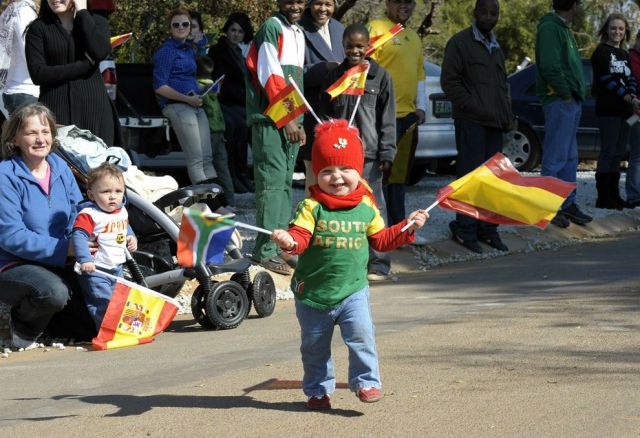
pixel 475 144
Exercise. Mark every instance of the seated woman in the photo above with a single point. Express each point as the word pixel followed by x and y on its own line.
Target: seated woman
pixel 174 81
pixel 37 209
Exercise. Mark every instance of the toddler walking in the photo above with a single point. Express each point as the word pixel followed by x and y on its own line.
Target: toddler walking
pixel 332 231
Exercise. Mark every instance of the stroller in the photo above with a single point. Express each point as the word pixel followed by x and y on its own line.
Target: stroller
pixel 214 304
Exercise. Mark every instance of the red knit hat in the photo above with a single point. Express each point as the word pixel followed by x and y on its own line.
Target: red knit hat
pixel 336 144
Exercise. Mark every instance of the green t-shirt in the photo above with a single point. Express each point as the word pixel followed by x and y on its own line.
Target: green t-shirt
pixel 334 265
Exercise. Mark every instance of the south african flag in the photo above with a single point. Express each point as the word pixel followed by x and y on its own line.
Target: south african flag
pixel 202 239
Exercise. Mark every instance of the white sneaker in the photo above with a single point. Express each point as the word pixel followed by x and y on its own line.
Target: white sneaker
pixel 376 276
pixel 419 241
pixel 18 341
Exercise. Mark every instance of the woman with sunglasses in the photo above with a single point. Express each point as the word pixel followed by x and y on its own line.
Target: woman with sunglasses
pixel 64 47
pixel 174 81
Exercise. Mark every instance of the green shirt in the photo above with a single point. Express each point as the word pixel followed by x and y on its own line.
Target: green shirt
pixel 334 265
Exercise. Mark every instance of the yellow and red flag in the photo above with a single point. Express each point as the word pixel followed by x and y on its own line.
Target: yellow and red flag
pixel 377 41
pixel 286 106
pixel 351 82
pixel 120 39
pixel 495 192
pixel 134 316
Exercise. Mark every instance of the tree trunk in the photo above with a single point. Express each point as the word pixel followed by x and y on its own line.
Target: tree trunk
pixel 344 7
pixel 426 24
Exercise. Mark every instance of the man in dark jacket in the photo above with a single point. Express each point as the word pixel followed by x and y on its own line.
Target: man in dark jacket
pixel 475 81
pixel 560 86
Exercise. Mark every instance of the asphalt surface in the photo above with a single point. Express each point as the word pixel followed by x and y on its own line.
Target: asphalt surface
pixel 534 344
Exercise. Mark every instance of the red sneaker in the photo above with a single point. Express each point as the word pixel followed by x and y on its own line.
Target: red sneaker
pixel 369 395
pixel 319 404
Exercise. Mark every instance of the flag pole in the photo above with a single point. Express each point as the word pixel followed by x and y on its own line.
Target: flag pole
pixel 239 224
pixel 313 113
pixel 427 210
pixel 355 108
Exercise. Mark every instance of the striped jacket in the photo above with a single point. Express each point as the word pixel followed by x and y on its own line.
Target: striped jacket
pixel 276 52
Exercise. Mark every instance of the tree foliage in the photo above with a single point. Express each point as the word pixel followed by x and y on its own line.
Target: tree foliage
pixel 435 20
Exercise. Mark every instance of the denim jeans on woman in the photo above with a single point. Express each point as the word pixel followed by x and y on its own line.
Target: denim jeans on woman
pixel 560 148
pixel 633 169
pixel 192 129
pixel 353 316
pixel 378 261
pixel 14 101
pixel 34 293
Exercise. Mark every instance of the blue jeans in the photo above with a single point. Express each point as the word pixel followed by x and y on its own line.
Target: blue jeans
pixel 378 261
pixel 14 101
pixel 192 129
pixel 394 194
pixel 34 293
pixel 97 290
pixel 633 170
pixel 358 332
pixel 560 148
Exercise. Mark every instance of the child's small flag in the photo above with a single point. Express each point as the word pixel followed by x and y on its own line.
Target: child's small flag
pixel 496 192
pixel 351 82
pixel 120 39
pixel 134 316
pixel 286 106
pixel 202 239
pixel 377 41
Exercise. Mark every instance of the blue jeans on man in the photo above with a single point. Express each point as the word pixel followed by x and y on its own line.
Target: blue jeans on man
pixel 353 316
pixel 632 185
pixel 379 262
pixel 560 148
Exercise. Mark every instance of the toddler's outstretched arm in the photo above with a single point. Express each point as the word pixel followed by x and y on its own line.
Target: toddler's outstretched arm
pixel 283 239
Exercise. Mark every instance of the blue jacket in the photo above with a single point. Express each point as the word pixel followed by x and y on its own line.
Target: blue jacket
pixel 35 226
pixel 174 64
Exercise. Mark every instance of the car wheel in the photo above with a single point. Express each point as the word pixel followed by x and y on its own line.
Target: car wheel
pixel 522 147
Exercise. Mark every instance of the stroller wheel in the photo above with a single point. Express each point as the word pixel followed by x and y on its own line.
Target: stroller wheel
pixel 198 305
pixel 226 304
pixel 244 280
pixel 263 293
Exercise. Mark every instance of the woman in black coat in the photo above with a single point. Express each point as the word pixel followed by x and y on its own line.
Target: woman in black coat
pixel 229 60
pixel 323 53
pixel 64 47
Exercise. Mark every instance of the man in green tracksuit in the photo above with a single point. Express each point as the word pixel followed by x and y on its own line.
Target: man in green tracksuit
pixel 276 53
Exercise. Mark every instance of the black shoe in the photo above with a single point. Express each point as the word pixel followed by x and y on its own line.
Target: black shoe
pixel 576 216
pixel 496 243
pixel 471 245
pixel 246 181
pixel 633 204
pixel 560 220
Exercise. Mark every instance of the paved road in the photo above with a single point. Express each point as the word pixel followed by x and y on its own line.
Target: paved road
pixel 539 344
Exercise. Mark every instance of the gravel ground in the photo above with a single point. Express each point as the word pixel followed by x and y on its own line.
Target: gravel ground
pixel 421 195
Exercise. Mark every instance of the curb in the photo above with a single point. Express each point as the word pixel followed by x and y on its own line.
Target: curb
pixel 518 239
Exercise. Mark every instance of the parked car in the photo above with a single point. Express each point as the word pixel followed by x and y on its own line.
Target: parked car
pixel 523 146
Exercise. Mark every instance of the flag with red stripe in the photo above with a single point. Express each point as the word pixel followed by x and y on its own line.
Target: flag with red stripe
pixel 286 106
pixel 496 192
pixel 377 41
pixel 352 82
pixel 134 316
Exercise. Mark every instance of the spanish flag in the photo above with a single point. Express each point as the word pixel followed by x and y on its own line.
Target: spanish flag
pixel 377 41
pixel 134 316
pixel 351 82
pixel 495 192
pixel 285 106
pixel 120 39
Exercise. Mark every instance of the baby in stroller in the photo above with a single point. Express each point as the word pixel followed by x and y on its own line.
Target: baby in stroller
pixel 214 304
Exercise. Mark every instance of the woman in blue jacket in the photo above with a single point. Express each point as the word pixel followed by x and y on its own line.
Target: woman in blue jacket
pixel 37 209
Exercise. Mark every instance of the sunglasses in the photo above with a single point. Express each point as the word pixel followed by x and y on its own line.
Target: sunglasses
pixel 177 25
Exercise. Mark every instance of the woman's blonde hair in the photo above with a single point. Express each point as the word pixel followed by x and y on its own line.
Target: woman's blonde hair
pixel 16 122
pixel 604 30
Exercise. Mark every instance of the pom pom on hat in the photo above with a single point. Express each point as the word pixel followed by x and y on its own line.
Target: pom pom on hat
pixel 336 144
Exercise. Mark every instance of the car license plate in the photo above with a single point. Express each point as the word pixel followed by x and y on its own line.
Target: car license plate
pixel 442 109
